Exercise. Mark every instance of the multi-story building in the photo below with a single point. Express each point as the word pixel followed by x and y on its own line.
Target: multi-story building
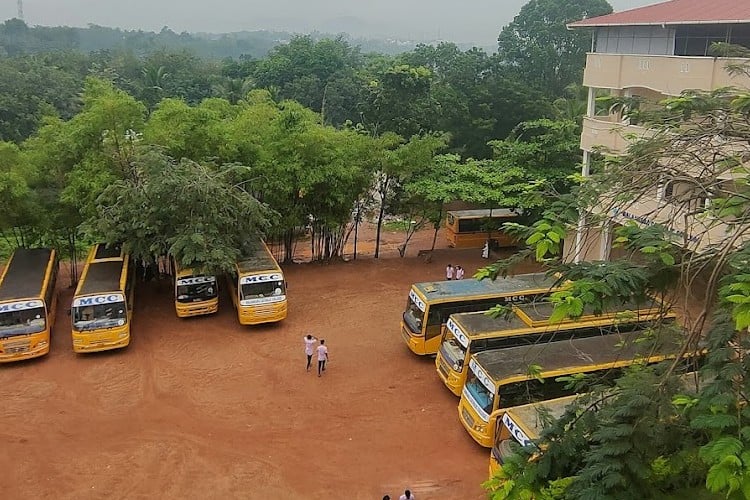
pixel 652 53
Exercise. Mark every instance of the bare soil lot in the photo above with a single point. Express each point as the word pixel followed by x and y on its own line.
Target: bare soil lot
pixel 204 408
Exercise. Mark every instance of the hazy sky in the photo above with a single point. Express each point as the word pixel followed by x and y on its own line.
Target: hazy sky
pixel 455 20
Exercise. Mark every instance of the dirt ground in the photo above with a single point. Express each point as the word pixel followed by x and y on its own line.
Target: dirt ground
pixel 204 408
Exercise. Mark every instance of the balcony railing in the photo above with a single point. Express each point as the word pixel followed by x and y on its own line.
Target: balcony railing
pixel 695 233
pixel 669 75
pixel 601 132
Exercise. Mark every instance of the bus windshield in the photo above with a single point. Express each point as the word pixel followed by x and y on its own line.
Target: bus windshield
pixel 452 350
pixel 93 317
pixel 413 316
pixel 262 290
pixel 197 291
pixel 480 394
pixel 22 322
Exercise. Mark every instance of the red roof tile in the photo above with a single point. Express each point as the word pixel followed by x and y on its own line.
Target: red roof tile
pixel 675 12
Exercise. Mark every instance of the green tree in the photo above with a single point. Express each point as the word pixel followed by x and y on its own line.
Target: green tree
pixel 538 44
pixel 181 208
pixel 649 437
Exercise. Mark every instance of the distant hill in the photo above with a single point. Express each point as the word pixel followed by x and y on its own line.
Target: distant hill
pixel 16 38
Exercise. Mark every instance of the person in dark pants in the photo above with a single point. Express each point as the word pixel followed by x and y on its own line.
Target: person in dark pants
pixel 322 356
pixel 309 343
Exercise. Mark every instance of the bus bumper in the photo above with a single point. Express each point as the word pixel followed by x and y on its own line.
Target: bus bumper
pixel 17 351
pixel 452 380
pixel 494 466
pixel 198 309
pixel 256 315
pixel 95 342
pixel 416 344
pixel 475 426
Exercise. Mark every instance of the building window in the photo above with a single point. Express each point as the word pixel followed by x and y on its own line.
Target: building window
pixel 696 40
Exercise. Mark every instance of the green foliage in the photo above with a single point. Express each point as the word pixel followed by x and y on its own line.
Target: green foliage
pixel 183 209
pixel 541 48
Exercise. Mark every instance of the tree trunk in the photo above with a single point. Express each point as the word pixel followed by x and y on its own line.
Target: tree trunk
pixel 383 193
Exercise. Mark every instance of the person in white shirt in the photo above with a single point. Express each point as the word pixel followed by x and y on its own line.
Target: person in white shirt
pixel 459 273
pixel 309 343
pixel 449 272
pixel 322 356
pixel 407 496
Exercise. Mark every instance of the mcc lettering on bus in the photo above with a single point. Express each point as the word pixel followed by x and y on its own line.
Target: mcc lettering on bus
pixel 419 302
pixel 20 306
pixel 515 430
pixel 482 376
pixel 260 278
pixel 456 331
pixel 95 300
pixel 196 280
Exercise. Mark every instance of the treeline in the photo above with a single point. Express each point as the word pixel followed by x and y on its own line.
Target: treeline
pixel 17 39
pixel 177 154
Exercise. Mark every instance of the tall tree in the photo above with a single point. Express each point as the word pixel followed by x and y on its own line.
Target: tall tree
pixel 538 44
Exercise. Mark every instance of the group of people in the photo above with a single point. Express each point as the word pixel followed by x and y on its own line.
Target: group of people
pixel 454 273
pixel 322 350
pixel 406 496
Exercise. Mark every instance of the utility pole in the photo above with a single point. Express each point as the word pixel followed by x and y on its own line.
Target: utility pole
pixel 20 10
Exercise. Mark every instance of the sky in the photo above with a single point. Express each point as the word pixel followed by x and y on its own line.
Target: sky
pixel 465 21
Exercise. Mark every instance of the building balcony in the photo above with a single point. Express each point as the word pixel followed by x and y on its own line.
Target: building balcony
pixel 687 230
pixel 608 134
pixel 669 75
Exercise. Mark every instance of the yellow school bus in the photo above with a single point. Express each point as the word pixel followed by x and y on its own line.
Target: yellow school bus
pixel 28 303
pixel 469 333
pixel 258 288
pixel 103 301
pixel 472 228
pixel 195 293
pixel 501 378
pixel 521 426
pixel 430 304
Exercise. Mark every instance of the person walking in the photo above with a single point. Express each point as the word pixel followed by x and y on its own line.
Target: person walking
pixel 459 273
pixel 407 496
pixel 449 272
pixel 309 344
pixel 322 356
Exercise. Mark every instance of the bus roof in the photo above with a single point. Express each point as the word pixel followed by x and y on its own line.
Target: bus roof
pixel 486 212
pixel 103 251
pixel 102 277
pixel 25 273
pixel 442 291
pixel 513 362
pixel 258 258
pixel 536 315
pixel 528 415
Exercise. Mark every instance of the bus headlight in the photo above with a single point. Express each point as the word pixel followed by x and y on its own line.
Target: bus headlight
pixel 456 366
pixel 480 428
pixel 43 343
pixel 77 341
pixel 123 335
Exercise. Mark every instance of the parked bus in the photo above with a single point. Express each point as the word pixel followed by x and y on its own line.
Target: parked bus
pixel 103 301
pixel 522 425
pixel 258 288
pixel 27 304
pixel 429 304
pixel 195 293
pixel 472 228
pixel 469 333
pixel 502 378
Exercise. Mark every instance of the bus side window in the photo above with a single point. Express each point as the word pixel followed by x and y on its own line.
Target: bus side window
pixel 436 316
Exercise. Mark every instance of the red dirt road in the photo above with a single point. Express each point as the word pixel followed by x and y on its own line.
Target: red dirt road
pixel 204 408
